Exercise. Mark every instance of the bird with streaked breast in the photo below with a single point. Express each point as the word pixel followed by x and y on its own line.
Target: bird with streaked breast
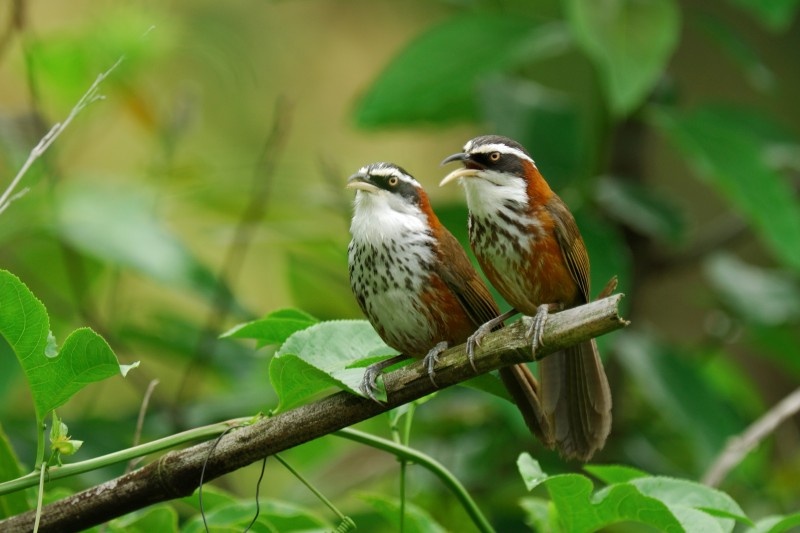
pixel 415 283
pixel 529 246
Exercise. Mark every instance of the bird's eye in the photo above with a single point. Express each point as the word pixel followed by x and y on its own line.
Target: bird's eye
pixel 393 181
pixel 494 157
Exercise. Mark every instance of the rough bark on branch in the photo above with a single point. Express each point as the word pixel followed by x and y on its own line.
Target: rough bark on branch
pixel 176 474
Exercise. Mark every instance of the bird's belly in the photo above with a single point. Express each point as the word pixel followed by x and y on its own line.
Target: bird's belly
pixel 528 280
pixel 401 321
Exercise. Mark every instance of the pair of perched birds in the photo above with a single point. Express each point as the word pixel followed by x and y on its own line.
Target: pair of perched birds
pixel 417 287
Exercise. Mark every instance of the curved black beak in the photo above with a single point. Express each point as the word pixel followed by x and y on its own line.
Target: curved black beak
pixel 455 157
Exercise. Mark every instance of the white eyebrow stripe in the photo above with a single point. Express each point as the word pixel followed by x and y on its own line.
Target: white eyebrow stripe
pixel 497 147
pixel 387 172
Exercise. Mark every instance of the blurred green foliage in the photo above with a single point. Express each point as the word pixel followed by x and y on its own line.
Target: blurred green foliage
pixel 670 128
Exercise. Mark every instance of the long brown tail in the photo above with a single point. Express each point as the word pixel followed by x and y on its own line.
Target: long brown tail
pixel 576 400
pixel 524 389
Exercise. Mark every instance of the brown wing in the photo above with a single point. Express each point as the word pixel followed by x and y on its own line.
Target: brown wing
pixel 571 243
pixel 458 273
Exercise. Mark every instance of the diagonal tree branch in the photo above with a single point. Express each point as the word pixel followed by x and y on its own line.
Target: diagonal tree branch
pixel 176 474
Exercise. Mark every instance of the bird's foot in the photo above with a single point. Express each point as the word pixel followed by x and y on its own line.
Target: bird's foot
pixel 475 339
pixel 432 358
pixel 369 387
pixel 536 328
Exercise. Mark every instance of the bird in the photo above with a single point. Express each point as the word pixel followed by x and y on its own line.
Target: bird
pixel 529 247
pixel 415 283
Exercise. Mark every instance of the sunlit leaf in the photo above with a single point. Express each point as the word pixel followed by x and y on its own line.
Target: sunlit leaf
pixel 630 41
pixel 84 357
pixel 610 474
pixel 777 524
pixel 435 77
pixel 274 328
pixel 322 356
pixel 668 504
pixel 731 150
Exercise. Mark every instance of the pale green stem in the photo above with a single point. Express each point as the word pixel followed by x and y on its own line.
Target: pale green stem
pixel 121 456
pixel 427 462
pixel 313 489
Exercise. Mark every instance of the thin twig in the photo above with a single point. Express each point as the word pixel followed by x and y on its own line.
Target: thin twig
pixel 89 97
pixel 137 435
pixel 739 446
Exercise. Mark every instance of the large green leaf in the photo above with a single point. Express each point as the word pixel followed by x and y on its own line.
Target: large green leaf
pixel 322 356
pixel 667 504
pixel 53 375
pixel 736 152
pixel 435 78
pixel 630 42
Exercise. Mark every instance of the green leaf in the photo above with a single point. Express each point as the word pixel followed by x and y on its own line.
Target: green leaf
pixel 578 511
pixel 667 504
pixel 764 296
pixel 161 518
pixel 435 78
pixel 417 519
pixel 734 151
pixel 630 42
pixel 776 524
pixel 682 493
pixel 776 15
pixel 538 515
pixel 16 502
pixel 84 358
pixel 274 515
pixel 640 207
pixel 274 328
pixel 610 474
pixel 322 356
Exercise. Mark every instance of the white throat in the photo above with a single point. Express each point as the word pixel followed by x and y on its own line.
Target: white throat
pixel 380 217
pixel 493 192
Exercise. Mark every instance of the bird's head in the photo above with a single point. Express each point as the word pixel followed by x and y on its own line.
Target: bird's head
pixel 389 200
pixel 386 185
pixel 496 169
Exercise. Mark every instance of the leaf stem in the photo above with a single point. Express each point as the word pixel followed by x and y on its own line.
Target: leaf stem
pixel 311 487
pixel 120 456
pixel 435 467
